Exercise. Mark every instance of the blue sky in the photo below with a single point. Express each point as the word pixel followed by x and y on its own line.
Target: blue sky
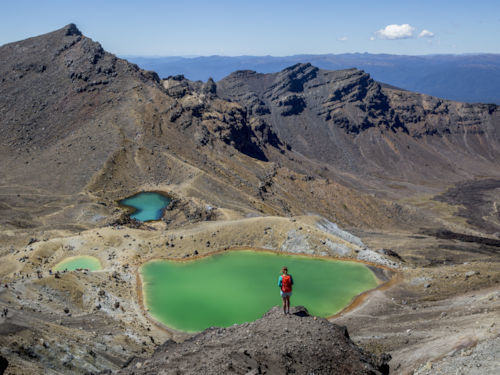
pixel 258 27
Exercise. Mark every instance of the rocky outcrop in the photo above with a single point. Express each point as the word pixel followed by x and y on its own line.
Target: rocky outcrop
pixel 209 118
pixel 345 118
pixel 275 344
pixel 349 99
pixel 209 87
pixel 352 100
pixel 3 364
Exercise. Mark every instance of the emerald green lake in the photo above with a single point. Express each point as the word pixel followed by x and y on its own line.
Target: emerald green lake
pixel 73 263
pixel 148 205
pixel 240 286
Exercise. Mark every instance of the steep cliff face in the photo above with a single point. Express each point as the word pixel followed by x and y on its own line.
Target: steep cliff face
pixel 210 118
pixel 346 119
pixel 347 99
pixel 427 116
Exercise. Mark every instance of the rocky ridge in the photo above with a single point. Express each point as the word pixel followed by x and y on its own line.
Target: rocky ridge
pixel 346 119
pixel 274 344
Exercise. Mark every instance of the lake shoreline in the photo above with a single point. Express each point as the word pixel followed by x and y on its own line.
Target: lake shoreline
pixel 391 278
pixel 79 257
pixel 131 210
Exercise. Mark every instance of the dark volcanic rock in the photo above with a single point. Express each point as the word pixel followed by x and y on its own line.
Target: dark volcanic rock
pixel 3 364
pixel 208 118
pixel 71 29
pixel 209 87
pixel 274 344
pixel 449 235
pixel 345 118
pixel 293 105
pixel 475 204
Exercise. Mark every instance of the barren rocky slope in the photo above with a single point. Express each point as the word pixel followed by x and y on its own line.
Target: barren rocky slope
pixel 275 344
pixel 378 133
pixel 325 163
pixel 81 126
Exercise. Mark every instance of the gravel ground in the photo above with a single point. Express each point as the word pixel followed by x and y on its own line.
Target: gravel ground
pixel 483 359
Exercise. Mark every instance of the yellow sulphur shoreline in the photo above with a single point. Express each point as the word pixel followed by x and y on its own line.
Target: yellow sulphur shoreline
pixel 79 262
pixel 146 297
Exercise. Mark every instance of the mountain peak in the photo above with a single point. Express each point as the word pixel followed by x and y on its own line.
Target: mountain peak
pixel 71 29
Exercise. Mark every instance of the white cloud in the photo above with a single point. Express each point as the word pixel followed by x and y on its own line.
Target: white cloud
pixel 426 34
pixel 342 38
pixel 404 31
pixel 372 38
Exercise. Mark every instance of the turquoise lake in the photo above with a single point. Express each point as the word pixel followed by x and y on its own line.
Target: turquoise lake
pixel 240 286
pixel 147 206
pixel 79 262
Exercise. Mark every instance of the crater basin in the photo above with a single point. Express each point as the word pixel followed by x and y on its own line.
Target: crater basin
pixel 146 206
pixel 240 286
pixel 79 262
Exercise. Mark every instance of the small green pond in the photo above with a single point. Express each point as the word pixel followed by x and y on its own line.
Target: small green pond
pixel 147 206
pixel 240 286
pixel 82 262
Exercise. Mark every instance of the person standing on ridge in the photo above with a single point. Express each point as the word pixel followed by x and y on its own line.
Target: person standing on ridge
pixel 285 283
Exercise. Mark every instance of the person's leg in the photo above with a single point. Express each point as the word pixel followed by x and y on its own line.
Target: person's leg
pixel 288 304
pixel 284 304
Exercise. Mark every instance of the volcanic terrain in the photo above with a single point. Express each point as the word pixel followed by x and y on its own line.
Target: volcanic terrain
pixel 325 163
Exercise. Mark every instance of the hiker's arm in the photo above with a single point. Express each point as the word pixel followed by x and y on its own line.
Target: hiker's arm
pixel 279 281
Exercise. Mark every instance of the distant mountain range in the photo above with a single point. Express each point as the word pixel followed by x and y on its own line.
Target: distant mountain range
pixel 467 78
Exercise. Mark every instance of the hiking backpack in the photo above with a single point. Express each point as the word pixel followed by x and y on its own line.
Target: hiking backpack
pixel 286 283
